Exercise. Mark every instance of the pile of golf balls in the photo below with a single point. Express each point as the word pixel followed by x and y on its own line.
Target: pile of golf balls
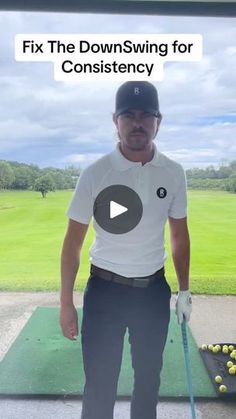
pixel 227 350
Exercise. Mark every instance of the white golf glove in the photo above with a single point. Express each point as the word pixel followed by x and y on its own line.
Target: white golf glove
pixel 183 306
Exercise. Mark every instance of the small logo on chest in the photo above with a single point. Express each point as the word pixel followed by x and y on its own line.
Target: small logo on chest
pixel 161 192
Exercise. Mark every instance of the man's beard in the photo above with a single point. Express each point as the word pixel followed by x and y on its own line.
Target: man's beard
pixel 137 143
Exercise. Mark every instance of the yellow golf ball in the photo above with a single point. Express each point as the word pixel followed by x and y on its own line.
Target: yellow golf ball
pixel 204 347
pixel 229 364
pixel 215 349
pixel 232 371
pixel 231 348
pixel 232 355
pixel 222 388
pixel 225 350
pixel 210 347
pixel 218 379
pixel 218 347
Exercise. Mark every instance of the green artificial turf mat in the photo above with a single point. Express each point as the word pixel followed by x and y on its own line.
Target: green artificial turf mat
pixel 42 361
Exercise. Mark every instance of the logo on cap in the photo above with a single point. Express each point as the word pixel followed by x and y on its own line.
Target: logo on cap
pixel 136 91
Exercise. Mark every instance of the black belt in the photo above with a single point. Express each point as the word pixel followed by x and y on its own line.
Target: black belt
pixel 142 282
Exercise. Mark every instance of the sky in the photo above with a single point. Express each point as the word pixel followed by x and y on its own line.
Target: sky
pixel 57 124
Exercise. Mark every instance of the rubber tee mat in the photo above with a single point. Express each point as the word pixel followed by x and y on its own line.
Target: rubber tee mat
pixel 41 361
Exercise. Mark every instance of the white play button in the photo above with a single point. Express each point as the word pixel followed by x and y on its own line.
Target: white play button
pixel 116 209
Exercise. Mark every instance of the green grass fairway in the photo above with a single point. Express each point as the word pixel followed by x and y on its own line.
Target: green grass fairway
pixel 32 232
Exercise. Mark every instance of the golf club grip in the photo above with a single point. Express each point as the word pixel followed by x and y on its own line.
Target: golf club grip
pixel 187 365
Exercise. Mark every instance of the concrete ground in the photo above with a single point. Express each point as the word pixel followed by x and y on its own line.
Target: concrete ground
pixel 213 319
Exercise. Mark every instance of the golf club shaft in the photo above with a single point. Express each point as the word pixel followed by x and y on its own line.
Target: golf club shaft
pixel 187 365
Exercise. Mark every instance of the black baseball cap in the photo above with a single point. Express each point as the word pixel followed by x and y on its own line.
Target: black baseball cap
pixel 140 95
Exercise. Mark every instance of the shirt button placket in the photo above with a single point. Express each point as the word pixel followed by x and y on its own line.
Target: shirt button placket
pixel 143 187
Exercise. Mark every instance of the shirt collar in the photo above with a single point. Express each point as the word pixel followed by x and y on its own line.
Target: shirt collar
pixel 122 163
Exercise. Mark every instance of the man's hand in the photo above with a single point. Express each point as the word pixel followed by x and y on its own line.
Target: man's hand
pixel 69 321
pixel 183 306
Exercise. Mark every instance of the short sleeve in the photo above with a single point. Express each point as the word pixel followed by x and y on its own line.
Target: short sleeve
pixel 81 206
pixel 178 207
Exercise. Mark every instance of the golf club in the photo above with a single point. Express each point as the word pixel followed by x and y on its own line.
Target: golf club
pixel 187 366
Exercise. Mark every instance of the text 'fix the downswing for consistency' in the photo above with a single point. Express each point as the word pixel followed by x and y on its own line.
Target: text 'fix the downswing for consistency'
pixel 108 57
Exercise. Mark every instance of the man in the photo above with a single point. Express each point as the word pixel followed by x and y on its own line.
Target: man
pixel 127 287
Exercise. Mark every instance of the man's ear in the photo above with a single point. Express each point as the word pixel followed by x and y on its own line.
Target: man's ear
pixel 114 118
pixel 159 119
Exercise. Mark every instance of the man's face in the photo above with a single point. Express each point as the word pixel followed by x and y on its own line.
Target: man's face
pixel 136 129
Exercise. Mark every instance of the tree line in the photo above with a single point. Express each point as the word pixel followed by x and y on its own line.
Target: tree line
pixel 21 176
pixel 221 178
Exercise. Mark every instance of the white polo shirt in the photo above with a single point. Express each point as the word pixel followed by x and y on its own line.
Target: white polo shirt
pixel 141 251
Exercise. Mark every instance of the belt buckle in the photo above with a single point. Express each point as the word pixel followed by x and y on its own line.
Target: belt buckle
pixel 141 283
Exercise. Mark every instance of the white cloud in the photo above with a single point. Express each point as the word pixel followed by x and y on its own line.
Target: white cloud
pixel 230 50
pixel 85 159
